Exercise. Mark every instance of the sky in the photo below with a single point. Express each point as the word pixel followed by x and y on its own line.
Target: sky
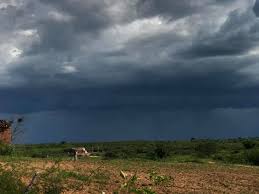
pixel 109 70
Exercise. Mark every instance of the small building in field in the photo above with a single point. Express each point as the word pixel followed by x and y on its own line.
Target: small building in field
pixel 5 132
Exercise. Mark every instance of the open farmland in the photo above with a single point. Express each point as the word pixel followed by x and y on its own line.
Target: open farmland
pixel 140 167
pixel 96 176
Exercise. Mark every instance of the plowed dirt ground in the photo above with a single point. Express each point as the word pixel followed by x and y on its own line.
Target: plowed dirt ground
pixel 179 177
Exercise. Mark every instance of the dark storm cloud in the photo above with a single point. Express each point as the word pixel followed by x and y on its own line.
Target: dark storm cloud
pixel 59 31
pixel 237 36
pixel 175 83
pixel 54 35
pixel 141 61
pixel 89 15
pixel 69 22
pixel 256 8
pixel 175 9
pixel 188 92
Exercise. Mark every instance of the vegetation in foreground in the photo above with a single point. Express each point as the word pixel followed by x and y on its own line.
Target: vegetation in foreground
pixel 130 159
pixel 92 175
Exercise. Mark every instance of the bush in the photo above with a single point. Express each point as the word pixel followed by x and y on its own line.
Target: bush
pixel 10 183
pixel 6 149
pixel 206 148
pixel 159 179
pixel 63 142
pixel 248 144
pixel 237 158
pixel 51 181
pixel 39 155
pixel 161 151
pixel 111 155
pixel 252 156
pixel 121 153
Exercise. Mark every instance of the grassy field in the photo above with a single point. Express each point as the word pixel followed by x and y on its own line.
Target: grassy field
pixel 234 151
pixel 195 166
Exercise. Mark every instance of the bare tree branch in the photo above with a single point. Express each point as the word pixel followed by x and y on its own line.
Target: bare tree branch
pixel 17 127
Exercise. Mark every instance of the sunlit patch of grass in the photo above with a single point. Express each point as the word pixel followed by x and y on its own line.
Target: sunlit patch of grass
pixel 129 186
pixel 186 159
pixel 159 179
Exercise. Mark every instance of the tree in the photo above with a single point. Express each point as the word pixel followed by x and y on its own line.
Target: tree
pixel 17 127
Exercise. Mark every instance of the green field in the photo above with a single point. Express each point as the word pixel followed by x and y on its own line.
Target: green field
pixel 234 151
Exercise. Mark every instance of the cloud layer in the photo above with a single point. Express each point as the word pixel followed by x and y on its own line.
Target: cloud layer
pixel 142 56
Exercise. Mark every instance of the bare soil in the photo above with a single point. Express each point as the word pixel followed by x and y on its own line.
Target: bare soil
pixel 182 177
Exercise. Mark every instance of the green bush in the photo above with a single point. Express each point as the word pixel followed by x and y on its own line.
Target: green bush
pixel 130 186
pixel 121 153
pixel 252 156
pixel 237 158
pixel 10 183
pixel 249 144
pixel 159 179
pixel 160 151
pixel 39 155
pixel 6 149
pixel 51 181
pixel 111 155
pixel 206 148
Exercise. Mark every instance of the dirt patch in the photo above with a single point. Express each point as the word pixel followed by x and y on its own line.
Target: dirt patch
pixel 158 177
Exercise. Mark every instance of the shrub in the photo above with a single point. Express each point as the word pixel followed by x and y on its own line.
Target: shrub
pixel 161 151
pixel 193 139
pixel 159 179
pixel 63 142
pixel 111 155
pixel 130 186
pixel 10 183
pixel 237 158
pixel 6 149
pixel 51 182
pixel 206 148
pixel 120 153
pixel 252 156
pixel 248 144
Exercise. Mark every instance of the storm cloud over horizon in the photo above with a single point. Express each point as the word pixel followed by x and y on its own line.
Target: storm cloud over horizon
pixel 130 69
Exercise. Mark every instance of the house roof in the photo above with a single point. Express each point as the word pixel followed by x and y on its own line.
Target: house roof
pixel 4 125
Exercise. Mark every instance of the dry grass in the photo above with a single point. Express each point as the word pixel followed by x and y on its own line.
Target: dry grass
pixel 96 176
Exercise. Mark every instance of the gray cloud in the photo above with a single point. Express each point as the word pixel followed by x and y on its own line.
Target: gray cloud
pixel 256 8
pixel 237 36
pixel 141 56
pixel 157 52
pixel 176 9
pixel 87 15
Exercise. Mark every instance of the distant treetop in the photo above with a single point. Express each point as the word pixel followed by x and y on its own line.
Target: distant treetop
pixel 4 125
